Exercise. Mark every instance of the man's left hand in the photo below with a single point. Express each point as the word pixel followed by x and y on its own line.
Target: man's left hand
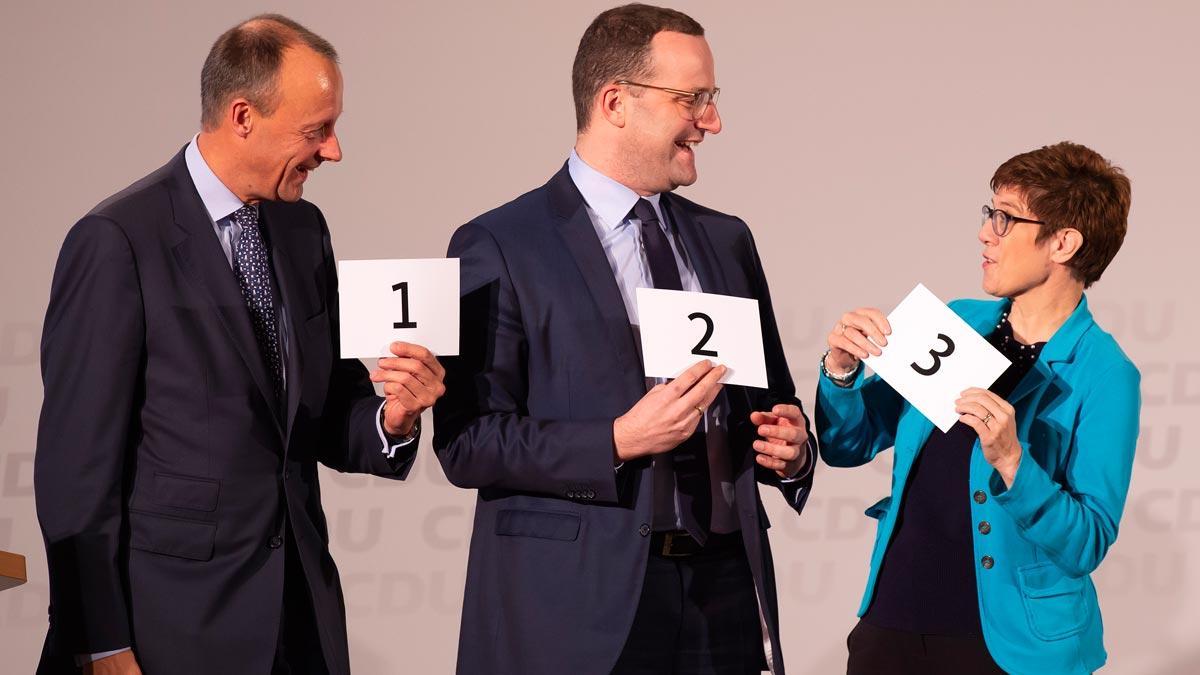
pixel 784 443
pixel 412 381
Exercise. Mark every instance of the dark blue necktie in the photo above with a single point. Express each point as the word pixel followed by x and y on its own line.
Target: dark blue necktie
pixel 688 463
pixel 253 269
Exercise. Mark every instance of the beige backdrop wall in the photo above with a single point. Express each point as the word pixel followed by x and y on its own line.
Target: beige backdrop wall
pixel 858 141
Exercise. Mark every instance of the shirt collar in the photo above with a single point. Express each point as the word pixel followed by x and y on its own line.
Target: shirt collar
pixel 610 200
pixel 218 200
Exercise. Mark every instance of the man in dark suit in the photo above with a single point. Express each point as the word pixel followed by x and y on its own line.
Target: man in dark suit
pixel 192 384
pixel 619 526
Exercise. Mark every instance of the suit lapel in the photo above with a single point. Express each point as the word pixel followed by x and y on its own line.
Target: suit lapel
pixel 203 260
pixel 579 236
pixel 286 277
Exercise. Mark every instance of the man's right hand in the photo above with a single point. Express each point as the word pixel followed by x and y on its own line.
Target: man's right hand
pixel 121 663
pixel 667 415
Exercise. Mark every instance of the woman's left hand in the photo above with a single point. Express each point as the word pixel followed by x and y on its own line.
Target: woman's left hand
pixel 994 420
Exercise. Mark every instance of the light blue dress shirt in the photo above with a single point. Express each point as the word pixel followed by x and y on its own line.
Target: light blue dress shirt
pixel 608 205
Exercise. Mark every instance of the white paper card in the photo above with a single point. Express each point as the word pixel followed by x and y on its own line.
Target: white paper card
pixel 680 328
pixel 408 300
pixel 932 355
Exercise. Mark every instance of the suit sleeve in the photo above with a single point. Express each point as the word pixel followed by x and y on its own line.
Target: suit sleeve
pixel 1075 522
pixel 92 355
pixel 780 388
pixel 484 436
pixel 352 440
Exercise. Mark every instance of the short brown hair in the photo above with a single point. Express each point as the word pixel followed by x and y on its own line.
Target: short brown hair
pixel 245 62
pixel 616 46
pixel 1069 185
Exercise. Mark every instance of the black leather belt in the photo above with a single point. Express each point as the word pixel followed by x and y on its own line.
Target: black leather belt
pixel 680 544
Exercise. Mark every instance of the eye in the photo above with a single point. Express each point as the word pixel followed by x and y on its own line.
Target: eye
pixel 315 134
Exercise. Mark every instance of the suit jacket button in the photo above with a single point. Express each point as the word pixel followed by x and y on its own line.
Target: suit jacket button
pixel 644 530
pixel 591 494
pixel 570 494
pixel 980 496
pixel 275 542
pixel 987 562
pixel 985 527
pixel 287 474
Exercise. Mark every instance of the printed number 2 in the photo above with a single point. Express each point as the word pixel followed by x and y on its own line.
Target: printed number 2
pixel 699 349
pixel 404 323
pixel 937 356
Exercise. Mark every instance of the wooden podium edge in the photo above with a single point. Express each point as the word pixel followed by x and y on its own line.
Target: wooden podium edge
pixel 12 570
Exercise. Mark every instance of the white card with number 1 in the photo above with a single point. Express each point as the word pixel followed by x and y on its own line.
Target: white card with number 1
pixel 383 301
pixel 932 355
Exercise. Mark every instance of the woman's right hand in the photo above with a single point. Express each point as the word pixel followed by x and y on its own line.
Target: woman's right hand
pixel 858 333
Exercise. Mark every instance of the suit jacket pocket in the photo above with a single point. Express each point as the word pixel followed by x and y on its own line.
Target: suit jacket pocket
pixel 185 492
pixel 191 539
pixel 539 524
pixel 1055 604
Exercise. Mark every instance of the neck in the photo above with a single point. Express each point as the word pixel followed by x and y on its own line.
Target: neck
pixel 220 156
pixel 604 155
pixel 1038 313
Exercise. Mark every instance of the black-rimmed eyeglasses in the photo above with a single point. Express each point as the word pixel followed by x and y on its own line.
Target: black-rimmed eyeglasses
pixel 1002 221
pixel 697 101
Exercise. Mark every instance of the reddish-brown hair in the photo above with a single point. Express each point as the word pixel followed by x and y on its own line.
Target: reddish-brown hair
pixel 1069 185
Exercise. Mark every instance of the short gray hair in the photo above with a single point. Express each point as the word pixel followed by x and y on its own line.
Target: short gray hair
pixel 245 61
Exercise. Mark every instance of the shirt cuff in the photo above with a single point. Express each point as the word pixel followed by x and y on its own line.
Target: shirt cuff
pixel 808 465
pixel 389 443
pixel 83 659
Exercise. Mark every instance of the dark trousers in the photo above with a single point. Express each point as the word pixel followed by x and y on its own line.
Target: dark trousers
pixel 696 615
pixel 883 651
pixel 299 648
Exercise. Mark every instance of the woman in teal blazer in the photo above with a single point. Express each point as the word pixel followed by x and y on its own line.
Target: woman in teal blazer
pixel 985 549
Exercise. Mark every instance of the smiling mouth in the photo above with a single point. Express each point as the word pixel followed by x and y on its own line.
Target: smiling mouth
pixel 687 145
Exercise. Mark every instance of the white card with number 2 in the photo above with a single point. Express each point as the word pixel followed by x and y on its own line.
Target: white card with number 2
pixel 932 355
pixel 679 328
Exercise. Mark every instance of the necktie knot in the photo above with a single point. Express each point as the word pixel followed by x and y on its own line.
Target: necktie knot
pixel 644 212
pixel 247 216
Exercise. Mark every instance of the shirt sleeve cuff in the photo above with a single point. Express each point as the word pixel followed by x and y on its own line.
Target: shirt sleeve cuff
pixel 389 443
pixel 84 659
pixel 808 465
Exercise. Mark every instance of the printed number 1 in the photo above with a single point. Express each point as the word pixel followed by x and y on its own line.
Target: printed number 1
pixel 937 356
pixel 699 350
pixel 404 323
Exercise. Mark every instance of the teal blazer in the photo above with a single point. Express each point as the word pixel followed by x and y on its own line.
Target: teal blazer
pixel 1077 421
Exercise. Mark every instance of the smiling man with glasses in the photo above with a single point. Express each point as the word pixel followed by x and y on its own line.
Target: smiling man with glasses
pixel 619 527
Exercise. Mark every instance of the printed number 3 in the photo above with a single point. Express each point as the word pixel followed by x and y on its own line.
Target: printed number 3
pixel 937 356
pixel 699 349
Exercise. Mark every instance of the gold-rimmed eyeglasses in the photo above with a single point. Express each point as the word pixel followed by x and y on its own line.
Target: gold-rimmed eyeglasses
pixel 698 101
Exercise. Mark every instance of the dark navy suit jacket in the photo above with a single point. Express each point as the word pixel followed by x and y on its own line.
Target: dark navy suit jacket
pixel 165 468
pixel 548 361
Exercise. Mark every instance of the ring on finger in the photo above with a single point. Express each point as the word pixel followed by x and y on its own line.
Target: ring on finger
pixel 699 410
pixel 987 418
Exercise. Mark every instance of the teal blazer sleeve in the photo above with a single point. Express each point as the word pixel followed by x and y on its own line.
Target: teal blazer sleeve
pixel 1074 527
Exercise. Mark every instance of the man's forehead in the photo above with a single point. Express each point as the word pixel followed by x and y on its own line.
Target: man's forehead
pixel 681 54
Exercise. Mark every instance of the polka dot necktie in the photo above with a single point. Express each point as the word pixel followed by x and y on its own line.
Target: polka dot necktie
pixel 253 270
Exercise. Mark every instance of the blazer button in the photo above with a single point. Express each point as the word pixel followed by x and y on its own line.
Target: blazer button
pixel 644 530
pixel 987 562
pixel 985 527
pixel 275 542
pixel 591 494
pixel 980 496
pixel 287 474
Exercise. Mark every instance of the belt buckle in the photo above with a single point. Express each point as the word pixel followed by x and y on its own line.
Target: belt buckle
pixel 668 540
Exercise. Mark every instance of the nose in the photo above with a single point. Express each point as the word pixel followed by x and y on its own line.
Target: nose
pixel 710 121
pixel 331 149
pixel 987 236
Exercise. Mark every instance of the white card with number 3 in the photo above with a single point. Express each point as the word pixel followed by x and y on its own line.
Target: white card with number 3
pixel 679 328
pixel 932 355
pixel 383 301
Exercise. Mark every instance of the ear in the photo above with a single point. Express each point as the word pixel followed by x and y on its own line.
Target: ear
pixel 1065 244
pixel 241 115
pixel 611 104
